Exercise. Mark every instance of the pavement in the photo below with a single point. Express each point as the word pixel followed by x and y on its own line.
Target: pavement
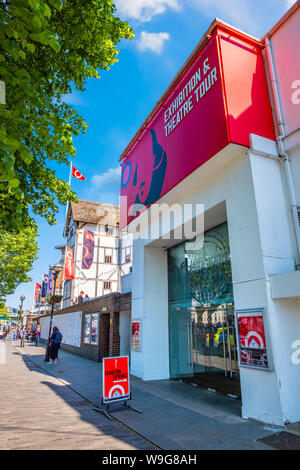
pixel 46 406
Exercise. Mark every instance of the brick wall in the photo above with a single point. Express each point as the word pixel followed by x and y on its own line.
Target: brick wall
pixel 104 335
pixel 114 336
pixel 108 306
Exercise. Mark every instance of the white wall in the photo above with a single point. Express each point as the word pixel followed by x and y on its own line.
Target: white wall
pixel 91 281
pixel 261 243
pixel 69 324
pixel 125 333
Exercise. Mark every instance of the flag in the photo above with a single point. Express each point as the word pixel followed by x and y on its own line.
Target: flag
pixel 44 285
pixel 77 174
pixel 36 291
pixel 60 280
pixel 69 265
pixel 49 283
pixel 88 249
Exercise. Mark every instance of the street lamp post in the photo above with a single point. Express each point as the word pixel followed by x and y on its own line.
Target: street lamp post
pixel 22 298
pixel 55 272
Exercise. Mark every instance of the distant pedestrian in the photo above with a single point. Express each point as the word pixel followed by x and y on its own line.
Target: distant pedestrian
pixel 54 346
pixel 22 336
pixel 86 298
pixel 5 332
pixel 37 335
pixel 80 297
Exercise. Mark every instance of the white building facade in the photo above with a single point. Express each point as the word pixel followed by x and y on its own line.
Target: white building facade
pixel 108 263
pixel 226 302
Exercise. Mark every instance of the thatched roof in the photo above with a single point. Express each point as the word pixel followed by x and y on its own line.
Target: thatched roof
pixel 93 213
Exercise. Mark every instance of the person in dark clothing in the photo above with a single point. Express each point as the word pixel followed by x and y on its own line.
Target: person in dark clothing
pixel 54 345
pixel 5 332
pixel 80 297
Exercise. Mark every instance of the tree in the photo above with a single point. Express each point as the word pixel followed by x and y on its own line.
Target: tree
pixel 45 46
pixel 17 254
pixel 3 310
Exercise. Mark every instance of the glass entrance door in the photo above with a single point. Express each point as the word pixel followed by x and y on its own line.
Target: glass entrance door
pixel 214 346
pixel 203 340
pixel 201 310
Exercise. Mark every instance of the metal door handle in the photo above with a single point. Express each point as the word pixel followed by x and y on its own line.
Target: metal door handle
pixel 190 363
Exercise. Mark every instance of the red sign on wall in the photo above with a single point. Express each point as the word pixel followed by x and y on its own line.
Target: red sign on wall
pixel 220 99
pixel 136 335
pixel 252 341
pixel 116 385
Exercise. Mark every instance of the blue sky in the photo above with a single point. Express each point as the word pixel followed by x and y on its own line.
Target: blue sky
pixel 166 32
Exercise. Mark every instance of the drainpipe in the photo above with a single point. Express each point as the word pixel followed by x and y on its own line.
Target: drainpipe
pixel 281 149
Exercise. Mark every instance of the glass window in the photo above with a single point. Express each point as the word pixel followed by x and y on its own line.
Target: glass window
pixel 109 230
pixel 87 328
pixel 94 328
pixel 202 336
pixel 200 270
pixel 91 328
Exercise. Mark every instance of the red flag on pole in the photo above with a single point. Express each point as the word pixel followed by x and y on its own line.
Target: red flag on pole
pixel 69 265
pixel 37 291
pixel 77 174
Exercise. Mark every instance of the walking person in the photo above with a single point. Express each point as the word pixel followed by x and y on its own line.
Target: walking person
pixel 37 335
pixel 5 332
pixel 54 346
pixel 22 336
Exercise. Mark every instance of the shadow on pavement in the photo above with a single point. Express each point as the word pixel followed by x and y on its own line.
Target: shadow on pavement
pixel 175 415
pixel 105 431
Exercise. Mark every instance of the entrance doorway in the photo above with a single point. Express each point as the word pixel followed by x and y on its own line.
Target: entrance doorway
pixel 104 335
pixel 203 347
pixel 202 334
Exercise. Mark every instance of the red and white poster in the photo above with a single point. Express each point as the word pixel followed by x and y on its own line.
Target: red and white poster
pixel 69 265
pixel 116 379
pixel 252 341
pixel 136 335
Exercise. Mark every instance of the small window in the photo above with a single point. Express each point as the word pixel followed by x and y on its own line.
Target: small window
pixel 107 285
pixel 108 259
pixel 109 230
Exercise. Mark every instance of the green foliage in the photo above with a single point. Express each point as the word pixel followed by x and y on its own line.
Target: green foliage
pixel 17 253
pixel 3 310
pixel 45 45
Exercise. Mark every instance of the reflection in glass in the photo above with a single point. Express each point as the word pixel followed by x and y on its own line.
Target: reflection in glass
pixel 200 271
pixel 201 312
pixel 87 323
pixel 91 328
pixel 94 328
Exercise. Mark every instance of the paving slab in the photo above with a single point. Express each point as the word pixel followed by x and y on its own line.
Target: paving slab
pixel 38 412
pixel 176 416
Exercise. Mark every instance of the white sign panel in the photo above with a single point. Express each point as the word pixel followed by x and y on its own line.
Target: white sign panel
pixel 69 324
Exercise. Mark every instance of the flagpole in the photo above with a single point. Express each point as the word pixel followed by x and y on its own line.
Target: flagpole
pixel 70 175
pixel 67 206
